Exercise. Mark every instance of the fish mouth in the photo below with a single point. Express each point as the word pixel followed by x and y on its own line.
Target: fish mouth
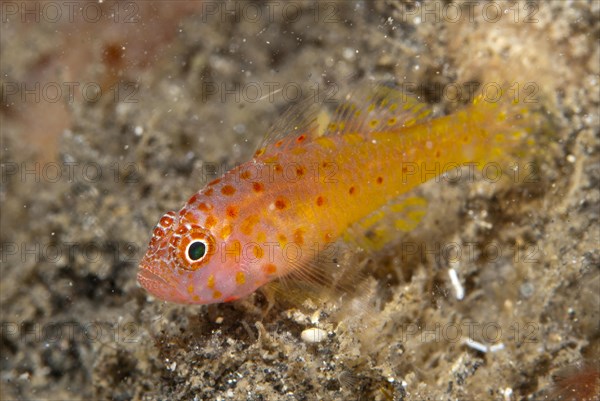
pixel 159 286
pixel 148 279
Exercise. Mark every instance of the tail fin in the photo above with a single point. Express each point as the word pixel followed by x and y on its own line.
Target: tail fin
pixel 511 126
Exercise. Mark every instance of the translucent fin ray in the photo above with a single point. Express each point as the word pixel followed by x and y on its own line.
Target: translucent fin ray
pixel 379 108
pixel 385 224
pixel 365 110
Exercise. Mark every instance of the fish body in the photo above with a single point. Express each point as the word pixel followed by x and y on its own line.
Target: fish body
pixel 273 216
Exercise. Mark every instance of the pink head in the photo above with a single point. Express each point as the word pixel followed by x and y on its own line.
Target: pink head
pixel 184 263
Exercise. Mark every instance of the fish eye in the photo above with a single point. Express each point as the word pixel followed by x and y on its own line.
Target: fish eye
pixel 196 250
pixel 190 247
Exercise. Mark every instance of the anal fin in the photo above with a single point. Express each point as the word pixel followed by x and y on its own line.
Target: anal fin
pixel 385 224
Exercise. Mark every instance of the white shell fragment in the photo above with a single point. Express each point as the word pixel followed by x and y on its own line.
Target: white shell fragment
pixel 313 335
pixel 458 288
pixel 476 345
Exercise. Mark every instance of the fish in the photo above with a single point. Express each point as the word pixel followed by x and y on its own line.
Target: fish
pixel 329 171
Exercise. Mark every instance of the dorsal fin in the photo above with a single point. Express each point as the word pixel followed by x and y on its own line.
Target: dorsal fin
pixel 298 119
pixel 366 109
pixel 375 108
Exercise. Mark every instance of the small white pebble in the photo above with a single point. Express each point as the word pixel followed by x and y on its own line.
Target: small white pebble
pixel 485 224
pixel 239 128
pixel 458 288
pixel 314 319
pixel 476 345
pixel 571 159
pixel 526 290
pixel 349 54
pixel 219 320
pixel 313 335
pixel 497 347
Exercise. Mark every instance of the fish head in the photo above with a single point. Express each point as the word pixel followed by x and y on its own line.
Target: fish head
pixel 182 264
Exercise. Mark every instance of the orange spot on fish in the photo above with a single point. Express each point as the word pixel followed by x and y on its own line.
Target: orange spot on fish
pixel 278 168
pixel 189 216
pixel 217 294
pixel 270 268
pixel 210 283
pixel 227 190
pixel 257 251
pixel 166 221
pixel 261 236
pixel 226 231
pixel 281 203
pixel 204 207
pixel 210 221
pixel 214 182
pixel 320 201
pixel 190 289
pixel 352 190
pixel 240 278
pixel 232 211
pixel 379 180
pixel 248 223
pixel 257 187
pixel 244 175
pixel 353 139
pixel 299 236
pixel 300 171
pixel 298 151
pixel 301 138
pixel 158 232
pixel 326 142
pixel 208 192
pixel 282 239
